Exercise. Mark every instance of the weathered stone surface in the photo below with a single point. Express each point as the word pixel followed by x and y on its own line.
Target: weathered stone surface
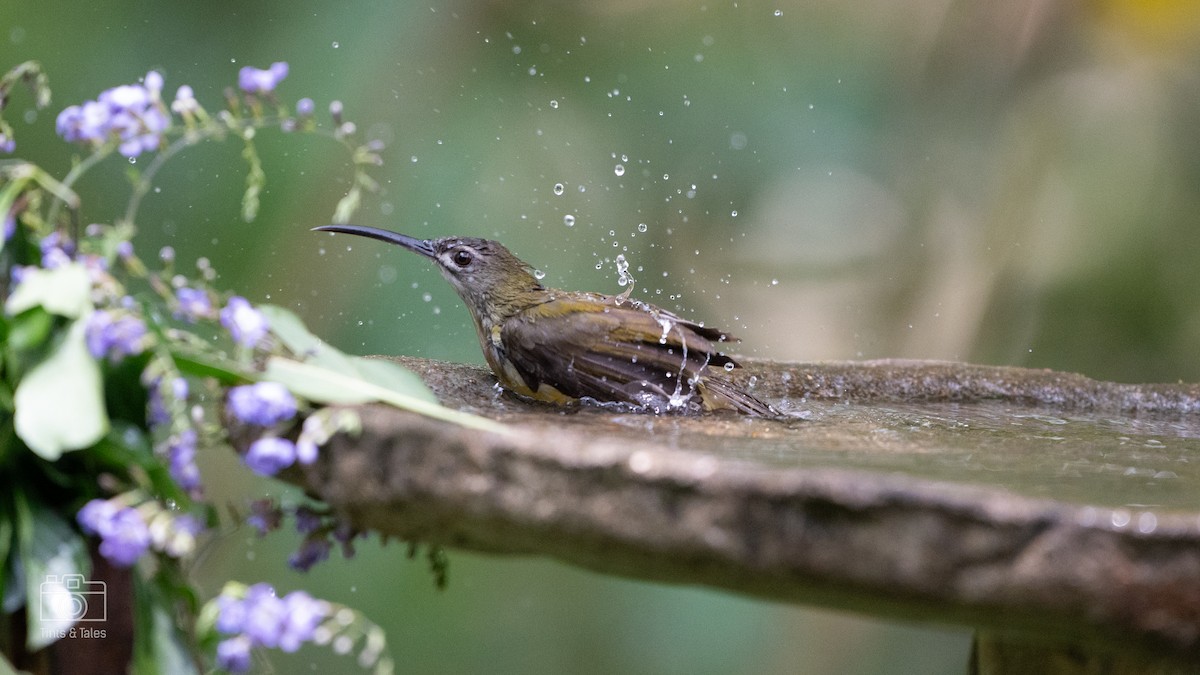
pixel 1075 523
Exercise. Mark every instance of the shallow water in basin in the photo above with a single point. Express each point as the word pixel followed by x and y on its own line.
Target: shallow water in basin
pixel 1142 461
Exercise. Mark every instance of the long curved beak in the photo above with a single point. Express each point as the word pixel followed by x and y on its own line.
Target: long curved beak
pixel 421 246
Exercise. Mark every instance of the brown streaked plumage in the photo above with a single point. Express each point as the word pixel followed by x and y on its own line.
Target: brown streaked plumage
pixel 559 346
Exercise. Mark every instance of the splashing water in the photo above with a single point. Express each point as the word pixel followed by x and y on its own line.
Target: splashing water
pixel 623 278
pixel 667 325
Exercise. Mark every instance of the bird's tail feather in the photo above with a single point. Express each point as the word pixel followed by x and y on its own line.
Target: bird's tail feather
pixel 718 392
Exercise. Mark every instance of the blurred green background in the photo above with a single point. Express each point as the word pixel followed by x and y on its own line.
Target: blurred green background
pixel 1011 183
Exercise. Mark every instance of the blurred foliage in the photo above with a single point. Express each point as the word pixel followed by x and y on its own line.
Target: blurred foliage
pixel 1007 183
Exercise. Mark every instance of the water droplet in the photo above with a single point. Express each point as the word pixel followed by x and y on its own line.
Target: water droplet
pixel 729 367
pixel 733 213
pixel 642 227
pixel 133 160
pixel 559 188
pixel 774 282
pixel 779 12
pixel 413 159
pixel 427 297
pixel 554 103
pixel 623 278
pixel 336 44
pixel 538 274
pixel 618 169
pixel 569 220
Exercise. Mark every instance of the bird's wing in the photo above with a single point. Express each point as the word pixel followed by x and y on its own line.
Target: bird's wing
pixel 590 345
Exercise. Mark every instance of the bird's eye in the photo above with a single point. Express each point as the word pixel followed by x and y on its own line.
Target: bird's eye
pixel 462 258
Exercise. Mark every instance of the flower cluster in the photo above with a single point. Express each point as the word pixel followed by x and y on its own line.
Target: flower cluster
pixel 86 289
pixel 247 325
pixel 194 304
pixel 133 114
pixel 321 529
pixel 114 334
pixel 266 404
pixel 258 617
pixel 258 81
pixel 126 532
pixel 263 403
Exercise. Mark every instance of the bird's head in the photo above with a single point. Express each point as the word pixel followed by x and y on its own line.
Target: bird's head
pixel 486 275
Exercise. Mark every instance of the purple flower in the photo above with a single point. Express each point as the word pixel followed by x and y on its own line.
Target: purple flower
pixel 258 81
pixel 56 250
pixel 311 552
pixel 193 303
pixel 158 412
pixel 19 272
pixel 265 615
pixel 262 403
pixel 7 144
pixel 265 516
pixel 231 614
pixel 115 335
pixel 306 450
pixel 304 613
pixel 9 227
pixel 130 113
pixel 247 325
pixel 305 107
pixel 125 250
pixel 153 83
pixel 268 455
pixel 262 619
pixel 124 536
pixel 233 655
pixel 181 461
pixel 178 539
pixel 185 101
pixel 95 514
pixel 307 520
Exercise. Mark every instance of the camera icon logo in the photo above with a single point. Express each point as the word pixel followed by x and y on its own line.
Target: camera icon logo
pixel 72 598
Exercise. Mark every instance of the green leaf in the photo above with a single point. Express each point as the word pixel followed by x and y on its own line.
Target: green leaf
pixel 347 205
pixel 377 381
pixel 8 594
pixel 307 347
pixel 255 180
pixel 392 376
pixel 30 329
pixel 7 668
pixel 157 644
pixel 56 571
pixel 193 362
pixel 65 291
pixel 60 402
pixel 314 351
